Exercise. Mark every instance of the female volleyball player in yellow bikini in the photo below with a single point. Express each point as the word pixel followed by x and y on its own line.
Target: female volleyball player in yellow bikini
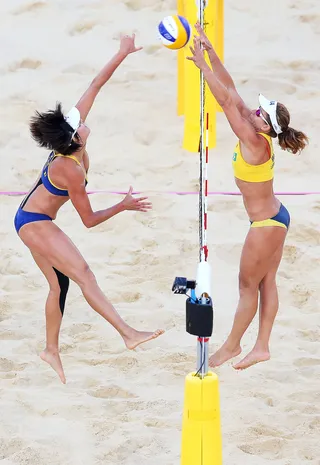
pixel 64 177
pixel 253 165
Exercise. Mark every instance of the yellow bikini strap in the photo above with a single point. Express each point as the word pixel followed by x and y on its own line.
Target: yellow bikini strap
pixel 69 156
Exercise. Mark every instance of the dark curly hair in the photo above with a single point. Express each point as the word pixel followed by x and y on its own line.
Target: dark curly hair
pixel 50 130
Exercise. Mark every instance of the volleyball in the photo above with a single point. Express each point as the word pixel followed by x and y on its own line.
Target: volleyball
pixel 174 32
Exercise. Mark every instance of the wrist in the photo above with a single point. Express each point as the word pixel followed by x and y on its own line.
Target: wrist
pixel 121 206
pixel 121 55
pixel 205 68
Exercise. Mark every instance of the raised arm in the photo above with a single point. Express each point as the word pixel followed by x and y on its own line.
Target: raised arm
pixel 239 124
pixel 127 46
pixel 221 72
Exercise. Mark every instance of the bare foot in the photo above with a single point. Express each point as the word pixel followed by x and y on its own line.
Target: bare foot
pixel 53 358
pixel 253 357
pixel 140 337
pixel 222 355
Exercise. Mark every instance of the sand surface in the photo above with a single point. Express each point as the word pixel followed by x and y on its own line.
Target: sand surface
pixel 121 407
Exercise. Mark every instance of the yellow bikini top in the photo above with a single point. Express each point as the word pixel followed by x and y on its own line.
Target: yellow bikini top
pixel 253 173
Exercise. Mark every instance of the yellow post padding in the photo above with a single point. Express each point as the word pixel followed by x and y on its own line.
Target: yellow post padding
pixel 188 100
pixel 191 82
pixel 201 429
pixel 220 34
pixel 181 60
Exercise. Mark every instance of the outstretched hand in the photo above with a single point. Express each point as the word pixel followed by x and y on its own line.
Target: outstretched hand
pixel 139 204
pixel 127 45
pixel 197 54
pixel 205 42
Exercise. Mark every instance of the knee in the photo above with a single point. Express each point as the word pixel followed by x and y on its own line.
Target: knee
pixel 84 275
pixel 247 283
pixel 268 282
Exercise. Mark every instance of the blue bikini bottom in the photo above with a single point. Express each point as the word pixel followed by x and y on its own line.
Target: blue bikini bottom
pixel 22 217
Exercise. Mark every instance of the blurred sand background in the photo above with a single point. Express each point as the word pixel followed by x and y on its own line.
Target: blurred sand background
pixel 120 407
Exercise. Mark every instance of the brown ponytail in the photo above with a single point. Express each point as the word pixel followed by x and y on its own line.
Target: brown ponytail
pixel 293 141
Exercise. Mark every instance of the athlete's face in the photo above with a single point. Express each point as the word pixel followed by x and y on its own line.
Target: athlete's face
pixel 258 118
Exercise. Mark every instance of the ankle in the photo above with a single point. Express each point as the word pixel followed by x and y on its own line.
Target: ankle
pixel 261 346
pixel 52 348
pixel 232 343
pixel 126 332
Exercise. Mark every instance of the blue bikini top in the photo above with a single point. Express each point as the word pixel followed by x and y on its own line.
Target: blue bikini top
pixel 45 178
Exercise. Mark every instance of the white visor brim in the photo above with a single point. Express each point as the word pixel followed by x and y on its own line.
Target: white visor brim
pixel 73 118
pixel 270 106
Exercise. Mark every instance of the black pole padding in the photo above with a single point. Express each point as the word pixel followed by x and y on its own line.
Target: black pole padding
pixel 199 318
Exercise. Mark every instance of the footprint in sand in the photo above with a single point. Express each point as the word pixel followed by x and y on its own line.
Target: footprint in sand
pixel 82 27
pixel 269 449
pixel 111 392
pixel 67 348
pixel 315 423
pixel 10 447
pixel 313 20
pixel 269 401
pixel 103 429
pixel 300 295
pixel 307 235
pixel 311 335
pixel 8 335
pixel 77 329
pixel 27 63
pixel 291 254
pixel 127 297
pixel 30 8
pixel 10 366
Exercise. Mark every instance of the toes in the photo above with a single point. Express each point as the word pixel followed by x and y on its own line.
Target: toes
pixel 158 333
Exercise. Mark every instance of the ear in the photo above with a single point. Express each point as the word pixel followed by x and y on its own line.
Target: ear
pixel 265 128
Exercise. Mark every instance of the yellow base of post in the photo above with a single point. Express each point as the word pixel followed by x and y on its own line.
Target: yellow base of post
pixel 201 429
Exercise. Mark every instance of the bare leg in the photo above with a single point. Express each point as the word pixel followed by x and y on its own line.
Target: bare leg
pixel 46 239
pixel 98 301
pixel 269 304
pixel 260 245
pixel 53 318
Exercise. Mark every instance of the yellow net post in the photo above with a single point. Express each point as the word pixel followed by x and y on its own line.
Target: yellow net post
pixel 188 99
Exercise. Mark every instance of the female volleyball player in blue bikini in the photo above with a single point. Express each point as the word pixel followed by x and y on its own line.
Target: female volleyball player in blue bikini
pixel 253 165
pixel 64 177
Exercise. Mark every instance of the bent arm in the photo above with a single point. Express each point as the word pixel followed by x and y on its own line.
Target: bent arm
pixel 79 198
pixel 86 101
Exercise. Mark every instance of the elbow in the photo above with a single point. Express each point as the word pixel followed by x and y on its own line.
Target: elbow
pixel 88 222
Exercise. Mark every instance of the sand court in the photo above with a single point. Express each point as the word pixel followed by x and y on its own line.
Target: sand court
pixel 121 407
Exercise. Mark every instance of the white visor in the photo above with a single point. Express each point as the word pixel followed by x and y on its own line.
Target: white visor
pixel 73 118
pixel 270 106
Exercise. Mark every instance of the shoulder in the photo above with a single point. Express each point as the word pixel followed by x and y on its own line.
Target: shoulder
pixel 68 170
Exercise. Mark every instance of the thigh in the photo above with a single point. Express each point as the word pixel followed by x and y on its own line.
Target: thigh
pixel 56 248
pixel 261 251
